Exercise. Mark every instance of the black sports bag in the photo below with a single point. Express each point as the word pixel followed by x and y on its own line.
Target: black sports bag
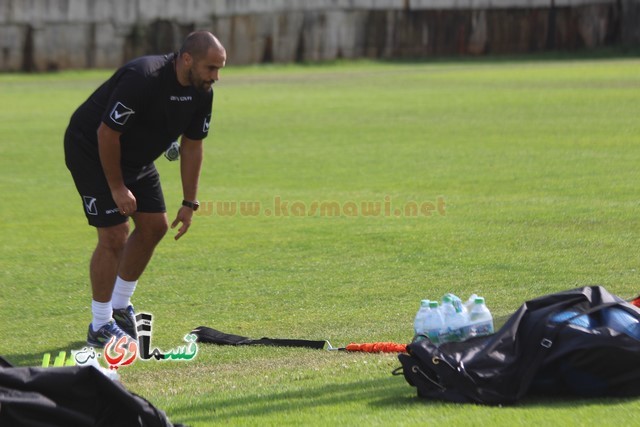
pixel 560 343
pixel 71 396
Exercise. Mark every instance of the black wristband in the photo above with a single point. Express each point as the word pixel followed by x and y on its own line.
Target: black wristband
pixel 193 205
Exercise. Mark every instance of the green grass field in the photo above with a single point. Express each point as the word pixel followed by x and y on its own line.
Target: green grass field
pixel 536 164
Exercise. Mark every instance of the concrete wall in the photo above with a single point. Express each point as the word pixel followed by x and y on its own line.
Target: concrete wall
pixel 55 34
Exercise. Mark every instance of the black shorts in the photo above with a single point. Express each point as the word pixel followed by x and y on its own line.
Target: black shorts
pixel 97 203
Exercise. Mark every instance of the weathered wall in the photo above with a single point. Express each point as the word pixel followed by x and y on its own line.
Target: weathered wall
pixel 54 34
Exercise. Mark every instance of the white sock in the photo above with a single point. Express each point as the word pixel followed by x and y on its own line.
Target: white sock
pixel 101 314
pixel 122 291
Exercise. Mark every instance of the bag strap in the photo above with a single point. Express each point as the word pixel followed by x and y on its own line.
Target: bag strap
pixel 455 378
pixel 282 342
pixel 415 368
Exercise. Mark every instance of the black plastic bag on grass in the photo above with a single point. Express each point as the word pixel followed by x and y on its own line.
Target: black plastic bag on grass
pixel 534 352
pixel 71 396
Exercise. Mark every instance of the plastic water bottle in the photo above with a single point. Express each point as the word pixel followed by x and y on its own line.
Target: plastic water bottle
pixel 457 302
pixel 418 321
pixel 447 307
pixel 433 323
pixel 455 321
pixel 469 303
pixel 622 321
pixel 480 319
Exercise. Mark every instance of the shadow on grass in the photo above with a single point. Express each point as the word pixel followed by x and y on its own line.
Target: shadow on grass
pixel 35 359
pixel 528 402
pixel 393 391
pixel 567 401
pixel 382 393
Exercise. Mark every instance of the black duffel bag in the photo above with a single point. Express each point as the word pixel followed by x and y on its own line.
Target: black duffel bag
pixel 564 343
pixel 71 396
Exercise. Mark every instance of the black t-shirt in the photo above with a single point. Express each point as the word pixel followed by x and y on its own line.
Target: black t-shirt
pixel 144 101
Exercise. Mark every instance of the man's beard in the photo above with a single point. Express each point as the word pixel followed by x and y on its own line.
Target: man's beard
pixel 198 84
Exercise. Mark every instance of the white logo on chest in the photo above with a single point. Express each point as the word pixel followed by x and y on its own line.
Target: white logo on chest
pixel 180 98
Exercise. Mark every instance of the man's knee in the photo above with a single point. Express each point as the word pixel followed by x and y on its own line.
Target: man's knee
pixel 152 226
pixel 113 238
pixel 160 228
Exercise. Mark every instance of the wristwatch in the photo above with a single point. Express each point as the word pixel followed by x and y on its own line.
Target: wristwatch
pixel 193 205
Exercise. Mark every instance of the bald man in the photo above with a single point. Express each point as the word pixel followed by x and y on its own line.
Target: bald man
pixel 110 145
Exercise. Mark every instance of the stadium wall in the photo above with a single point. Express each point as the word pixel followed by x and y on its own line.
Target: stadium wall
pixel 38 35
